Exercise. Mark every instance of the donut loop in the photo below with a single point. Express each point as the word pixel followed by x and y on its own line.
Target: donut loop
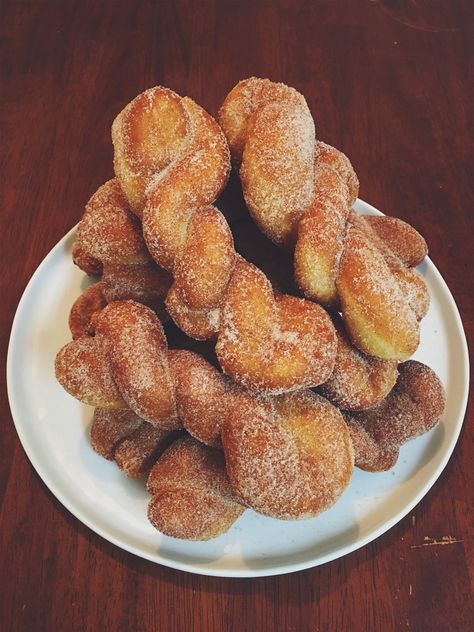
pixel 126 365
pixel 358 381
pixel 108 233
pixel 299 192
pixel 173 189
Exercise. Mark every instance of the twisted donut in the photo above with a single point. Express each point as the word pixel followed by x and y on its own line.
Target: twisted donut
pixel 299 191
pixel 125 365
pixel 131 442
pixel 290 457
pixel 412 407
pixel 191 494
pixel 172 161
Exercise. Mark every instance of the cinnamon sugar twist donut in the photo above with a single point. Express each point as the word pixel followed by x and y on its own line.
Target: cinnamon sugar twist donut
pixel 133 443
pixel 191 495
pixel 299 191
pixel 412 407
pixel 172 161
pixel 289 457
pixel 109 242
pixel 127 365
pixel 124 365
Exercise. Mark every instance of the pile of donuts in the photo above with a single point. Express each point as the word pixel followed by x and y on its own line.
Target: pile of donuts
pixel 303 386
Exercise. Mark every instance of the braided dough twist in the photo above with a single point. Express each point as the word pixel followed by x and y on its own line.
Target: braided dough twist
pixel 191 494
pixel 109 242
pixel 412 407
pixel 176 388
pixel 172 161
pixel 299 191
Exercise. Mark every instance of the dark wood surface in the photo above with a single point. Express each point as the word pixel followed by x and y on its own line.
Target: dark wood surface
pixel 388 83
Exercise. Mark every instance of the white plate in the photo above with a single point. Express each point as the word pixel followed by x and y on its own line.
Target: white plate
pixel 53 428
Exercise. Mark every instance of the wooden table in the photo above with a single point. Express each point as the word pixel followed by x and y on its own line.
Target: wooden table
pixel 388 84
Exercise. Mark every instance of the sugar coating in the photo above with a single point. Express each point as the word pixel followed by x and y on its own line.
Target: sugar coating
pixel 289 458
pixel 137 351
pixel 358 381
pixel 108 231
pixel 412 407
pixel 173 192
pixel 191 494
pixel 83 370
pixel 300 192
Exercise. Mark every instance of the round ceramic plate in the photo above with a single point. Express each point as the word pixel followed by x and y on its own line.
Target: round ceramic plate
pixel 53 428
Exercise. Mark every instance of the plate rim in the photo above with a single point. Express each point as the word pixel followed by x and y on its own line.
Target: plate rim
pixel 263 571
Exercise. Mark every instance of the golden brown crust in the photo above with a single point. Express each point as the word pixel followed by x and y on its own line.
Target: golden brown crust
pixel 272 344
pixel 288 458
pixel 108 232
pixel 300 189
pixel 137 353
pixel 125 365
pixel 376 312
pixel 358 381
pixel 173 192
pixel 87 263
pixel 203 395
pixel 92 300
pixel 412 407
pixel 82 369
pixel 191 495
pixel 133 443
pixel 404 241
pixel 147 284
pixel 151 132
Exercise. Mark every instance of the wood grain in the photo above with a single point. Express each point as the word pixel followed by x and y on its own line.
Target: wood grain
pixel 388 83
